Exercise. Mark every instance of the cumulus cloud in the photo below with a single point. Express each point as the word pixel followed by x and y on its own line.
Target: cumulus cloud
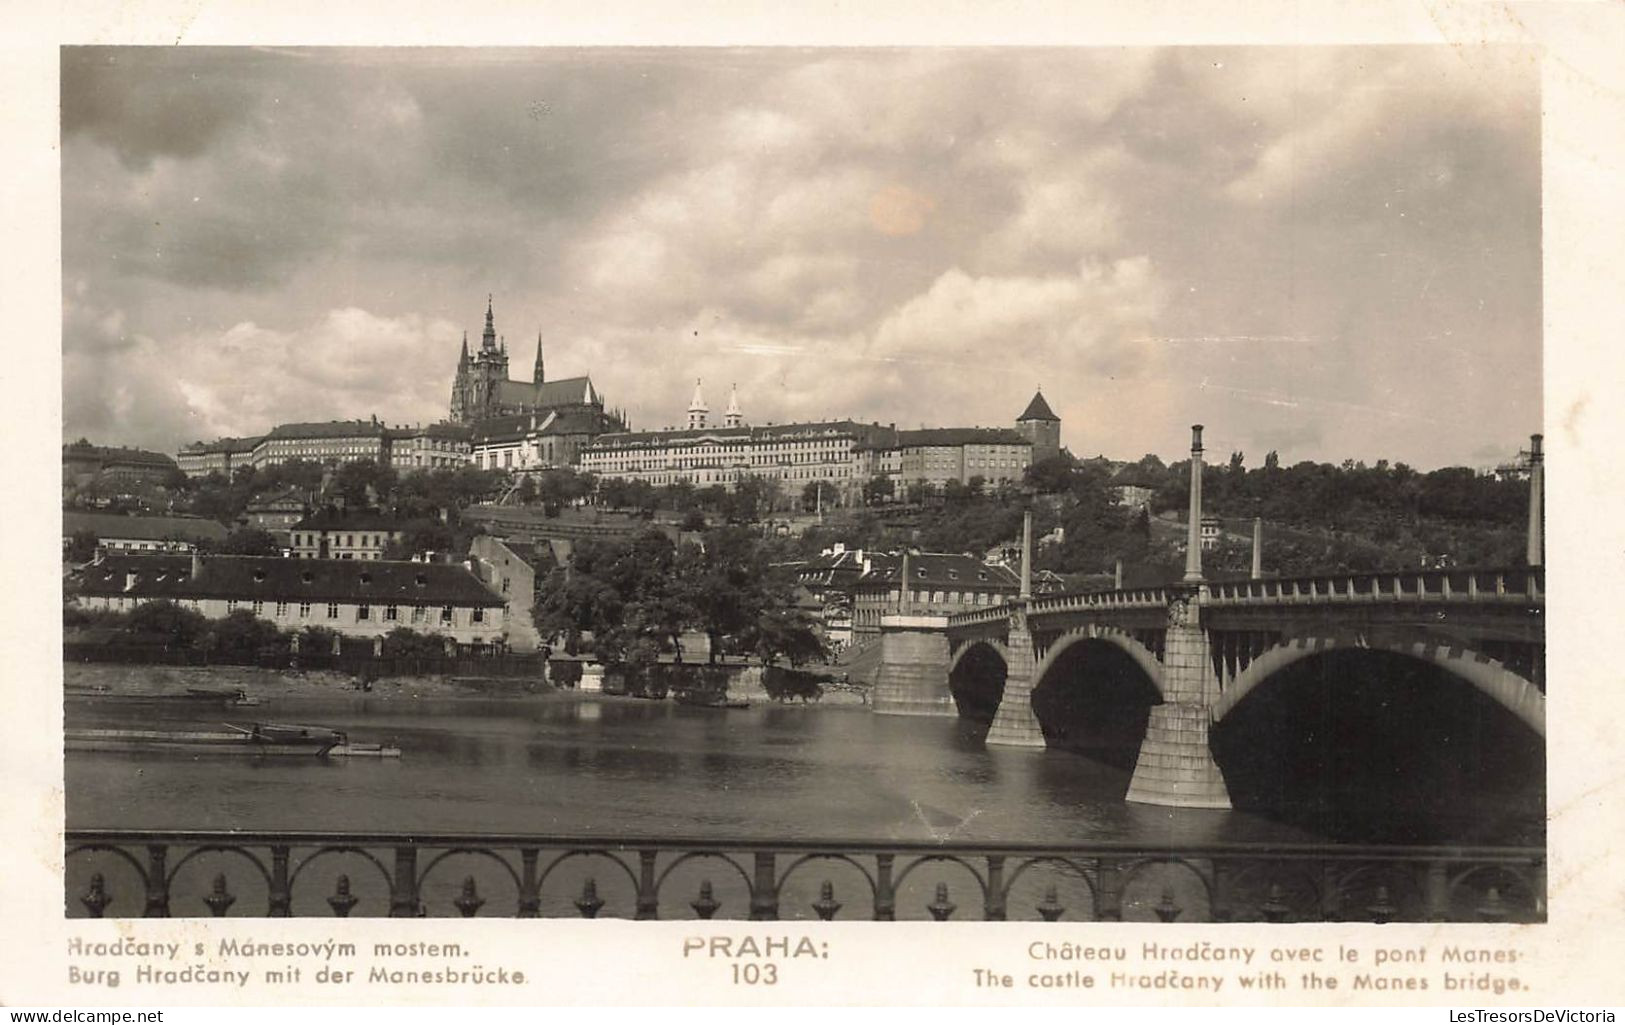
pixel 906 235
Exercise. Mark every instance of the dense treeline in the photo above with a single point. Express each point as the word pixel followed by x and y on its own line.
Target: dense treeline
pixel 631 601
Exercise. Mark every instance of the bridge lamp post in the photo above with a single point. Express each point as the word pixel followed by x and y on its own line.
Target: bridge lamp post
pixel 1537 485
pixel 1193 537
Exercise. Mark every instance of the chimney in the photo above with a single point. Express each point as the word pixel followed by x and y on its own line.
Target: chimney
pixel 197 563
pixel 1258 547
pixel 1117 576
pixel 1537 499
pixel 1193 537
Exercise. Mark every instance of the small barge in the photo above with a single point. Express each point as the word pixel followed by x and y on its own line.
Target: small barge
pixel 256 739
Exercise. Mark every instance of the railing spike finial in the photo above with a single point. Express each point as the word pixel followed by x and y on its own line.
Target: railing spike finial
pixel 706 905
pixel 1275 908
pixel 96 897
pixel 342 901
pixel 1382 906
pixel 826 906
pixel 469 901
pixel 219 899
pixel 1051 910
pixel 942 908
pixel 1166 910
pixel 589 903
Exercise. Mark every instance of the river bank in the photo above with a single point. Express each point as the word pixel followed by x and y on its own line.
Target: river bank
pixel 118 679
pixel 261 684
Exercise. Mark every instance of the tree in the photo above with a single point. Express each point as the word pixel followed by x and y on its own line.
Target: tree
pixel 786 633
pixel 244 636
pixel 1051 476
pixel 177 625
pixel 527 491
pixel 82 545
pixel 404 642
pixel 624 594
pixel 878 489
pixel 249 541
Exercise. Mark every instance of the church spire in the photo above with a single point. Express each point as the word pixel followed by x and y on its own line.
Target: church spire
pixel 733 417
pixel 538 376
pixel 490 339
pixel 464 358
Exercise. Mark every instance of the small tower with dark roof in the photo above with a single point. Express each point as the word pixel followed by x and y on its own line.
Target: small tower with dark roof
pixel 1039 425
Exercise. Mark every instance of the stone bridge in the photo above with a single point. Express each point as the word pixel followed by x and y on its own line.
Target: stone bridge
pixel 1191 653
pixel 1205 647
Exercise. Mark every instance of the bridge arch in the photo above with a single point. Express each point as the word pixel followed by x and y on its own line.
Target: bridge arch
pixel 1141 655
pixel 1506 688
pixel 976 676
pixel 997 647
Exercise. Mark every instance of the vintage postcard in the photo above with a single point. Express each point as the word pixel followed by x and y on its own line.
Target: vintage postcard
pixel 901 510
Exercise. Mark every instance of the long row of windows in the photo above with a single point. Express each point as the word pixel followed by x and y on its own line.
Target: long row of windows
pixel 445 614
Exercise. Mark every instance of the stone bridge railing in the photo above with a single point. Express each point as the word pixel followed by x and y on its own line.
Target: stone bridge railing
pixel 1519 585
pixel 1522 586
pixel 130 873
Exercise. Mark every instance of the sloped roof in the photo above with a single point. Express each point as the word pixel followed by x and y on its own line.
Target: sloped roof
pixel 956 436
pixel 110 455
pixel 1038 409
pixel 223 445
pixel 761 432
pixel 348 519
pixel 269 578
pixel 454 432
pixel 329 429
pixel 143 528
pixel 568 391
pixel 944 570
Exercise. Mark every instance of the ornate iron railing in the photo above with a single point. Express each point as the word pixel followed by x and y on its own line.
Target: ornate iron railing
pixel 131 873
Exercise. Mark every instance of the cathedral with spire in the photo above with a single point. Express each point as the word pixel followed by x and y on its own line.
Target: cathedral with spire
pixel 482 390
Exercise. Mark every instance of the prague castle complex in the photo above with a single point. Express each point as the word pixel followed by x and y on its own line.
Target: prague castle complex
pixel 497 423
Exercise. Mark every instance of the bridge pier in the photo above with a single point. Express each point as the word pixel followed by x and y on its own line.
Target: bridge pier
pixel 913 674
pixel 1176 767
pixel 1015 724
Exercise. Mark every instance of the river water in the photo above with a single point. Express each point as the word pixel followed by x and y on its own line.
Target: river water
pixel 618 768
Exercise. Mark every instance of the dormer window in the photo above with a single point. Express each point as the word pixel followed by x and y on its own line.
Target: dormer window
pixel 366 578
pixel 259 576
pixel 307 576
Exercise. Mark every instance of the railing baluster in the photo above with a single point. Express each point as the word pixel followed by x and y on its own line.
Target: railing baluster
pixel 993 909
pixel 764 893
pixel 648 905
pixel 403 897
pixel 157 881
pixel 885 894
pixel 280 898
pixel 530 899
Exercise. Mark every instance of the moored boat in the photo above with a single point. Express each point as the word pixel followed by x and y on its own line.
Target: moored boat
pixel 237 738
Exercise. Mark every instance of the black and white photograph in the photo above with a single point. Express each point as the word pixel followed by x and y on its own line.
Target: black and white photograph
pixel 915 483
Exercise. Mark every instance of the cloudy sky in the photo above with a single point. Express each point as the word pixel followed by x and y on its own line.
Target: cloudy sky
pixel 1334 253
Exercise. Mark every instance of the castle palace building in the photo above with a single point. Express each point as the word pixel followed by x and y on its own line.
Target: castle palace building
pixel 483 391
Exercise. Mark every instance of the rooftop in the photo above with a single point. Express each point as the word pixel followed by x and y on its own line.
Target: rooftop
pixel 1038 409
pixel 328 429
pixel 143 528
pixel 268 578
